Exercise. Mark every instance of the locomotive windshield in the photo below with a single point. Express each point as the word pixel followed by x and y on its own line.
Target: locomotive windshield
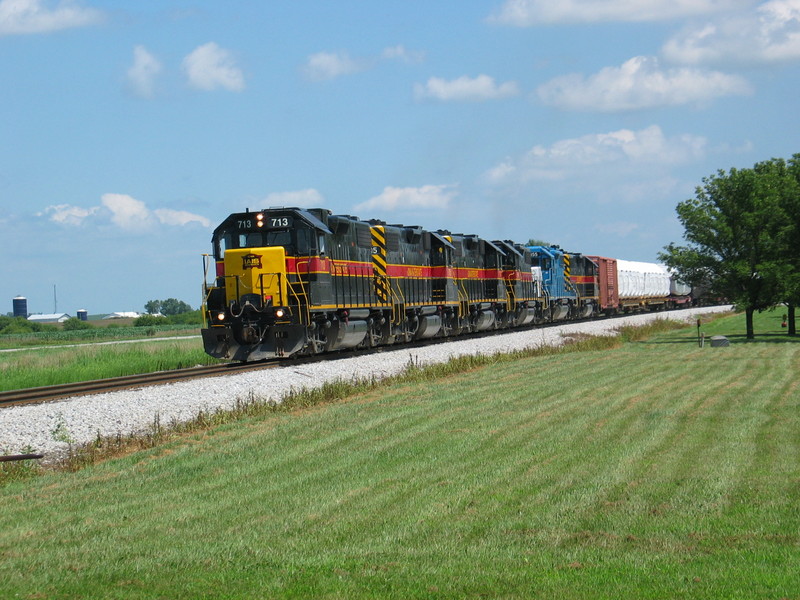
pixel 298 241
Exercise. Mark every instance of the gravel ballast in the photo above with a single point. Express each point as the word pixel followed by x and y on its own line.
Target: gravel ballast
pixel 50 428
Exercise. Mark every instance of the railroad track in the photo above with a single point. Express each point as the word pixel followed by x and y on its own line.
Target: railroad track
pixel 55 392
pixel 84 388
pixel 38 395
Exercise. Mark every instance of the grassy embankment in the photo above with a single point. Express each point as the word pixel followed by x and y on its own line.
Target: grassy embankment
pixel 653 470
pixel 50 366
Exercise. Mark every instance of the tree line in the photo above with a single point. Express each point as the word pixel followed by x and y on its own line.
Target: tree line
pixel 168 307
pixel 742 230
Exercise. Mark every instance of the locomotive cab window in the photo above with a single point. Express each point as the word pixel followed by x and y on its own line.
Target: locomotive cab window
pixel 222 243
pixel 304 242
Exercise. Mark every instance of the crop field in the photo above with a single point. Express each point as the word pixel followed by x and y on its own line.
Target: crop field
pixel 122 330
pixel 657 469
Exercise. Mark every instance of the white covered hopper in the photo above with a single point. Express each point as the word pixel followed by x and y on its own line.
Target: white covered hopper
pixel 642 280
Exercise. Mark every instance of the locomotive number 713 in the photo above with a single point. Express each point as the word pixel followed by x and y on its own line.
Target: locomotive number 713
pixel 274 223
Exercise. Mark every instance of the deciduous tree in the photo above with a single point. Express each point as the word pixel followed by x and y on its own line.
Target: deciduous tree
pixel 170 306
pixel 791 201
pixel 152 307
pixel 733 230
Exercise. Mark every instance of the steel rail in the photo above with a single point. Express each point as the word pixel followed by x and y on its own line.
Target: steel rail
pixel 98 386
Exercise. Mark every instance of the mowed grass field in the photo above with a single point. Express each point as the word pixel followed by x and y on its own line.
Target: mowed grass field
pixel 654 470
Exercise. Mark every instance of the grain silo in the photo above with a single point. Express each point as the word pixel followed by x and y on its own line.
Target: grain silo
pixel 21 307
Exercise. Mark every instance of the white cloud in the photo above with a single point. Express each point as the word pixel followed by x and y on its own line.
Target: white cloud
pixel 142 74
pixel 324 66
pixel 127 212
pixel 122 210
pixel 167 216
pixel 403 54
pixel 67 214
pixel 768 33
pixel 30 16
pixel 425 197
pixel 525 13
pixel 209 67
pixel 639 83
pixel 303 198
pixel 479 88
pixel 589 154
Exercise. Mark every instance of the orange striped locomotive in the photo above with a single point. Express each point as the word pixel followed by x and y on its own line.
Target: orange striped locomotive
pixel 303 281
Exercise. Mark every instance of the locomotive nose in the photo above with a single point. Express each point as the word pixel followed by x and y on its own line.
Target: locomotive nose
pixel 256 275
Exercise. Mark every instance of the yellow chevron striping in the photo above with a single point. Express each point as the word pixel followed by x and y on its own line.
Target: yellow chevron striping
pixel 382 288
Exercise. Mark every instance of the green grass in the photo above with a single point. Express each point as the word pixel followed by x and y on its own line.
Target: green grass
pixel 654 470
pixel 33 368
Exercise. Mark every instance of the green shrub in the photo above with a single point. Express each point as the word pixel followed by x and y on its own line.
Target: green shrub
pixel 9 325
pixel 194 317
pixel 74 323
pixel 149 321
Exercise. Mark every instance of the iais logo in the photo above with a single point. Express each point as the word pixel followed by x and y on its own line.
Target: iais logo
pixel 251 261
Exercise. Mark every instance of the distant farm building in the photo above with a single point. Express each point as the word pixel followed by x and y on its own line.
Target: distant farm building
pixel 122 315
pixel 51 318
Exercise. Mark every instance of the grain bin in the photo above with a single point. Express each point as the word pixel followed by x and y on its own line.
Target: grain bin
pixel 21 307
pixel 83 314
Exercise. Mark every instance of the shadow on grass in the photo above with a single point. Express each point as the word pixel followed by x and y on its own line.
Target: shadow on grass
pixel 769 338
pixel 733 338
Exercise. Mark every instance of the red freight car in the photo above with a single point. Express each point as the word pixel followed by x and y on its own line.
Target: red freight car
pixel 608 283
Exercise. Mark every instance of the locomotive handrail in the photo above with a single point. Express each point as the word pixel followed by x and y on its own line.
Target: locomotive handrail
pixel 262 285
pixel 570 286
pixel 298 297
pixel 463 298
pixel 399 308
pixel 206 264
pixel 390 299
pixel 305 313
pixel 236 277
pixel 206 290
pixel 511 296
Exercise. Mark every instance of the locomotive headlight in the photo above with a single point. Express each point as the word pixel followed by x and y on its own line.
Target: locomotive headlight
pixel 260 216
pixel 220 316
pixel 279 313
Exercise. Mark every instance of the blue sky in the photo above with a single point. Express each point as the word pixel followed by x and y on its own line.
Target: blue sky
pixel 129 129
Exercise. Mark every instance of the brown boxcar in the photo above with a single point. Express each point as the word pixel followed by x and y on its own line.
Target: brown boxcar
pixel 609 285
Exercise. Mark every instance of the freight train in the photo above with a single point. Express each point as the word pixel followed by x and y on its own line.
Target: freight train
pixel 294 281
